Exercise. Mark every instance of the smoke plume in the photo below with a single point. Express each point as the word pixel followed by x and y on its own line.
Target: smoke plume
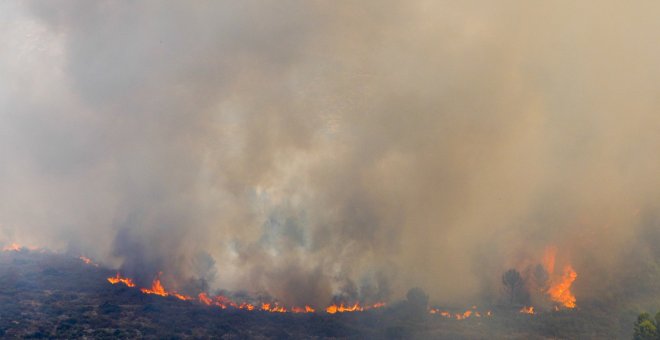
pixel 315 149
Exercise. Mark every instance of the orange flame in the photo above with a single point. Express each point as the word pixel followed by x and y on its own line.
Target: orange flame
pixel 274 308
pixel 560 287
pixel 180 296
pixel 465 315
pixel 353 308
pixel 203 298
pixel 561 291
pixel 356 307
pixel 307 309
pixel 224 302
pixel 549 259
pixel 12 247
pixel 527 310
pixel 444 313
pixel 158 289
pixel 472 312
pixel 246 306
pixel 88 261
pixel 117 279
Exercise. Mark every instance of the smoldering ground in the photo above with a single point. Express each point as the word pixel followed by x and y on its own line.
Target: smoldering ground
pixel 298 147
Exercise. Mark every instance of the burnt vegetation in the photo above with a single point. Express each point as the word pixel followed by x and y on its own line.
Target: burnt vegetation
pixel 46 295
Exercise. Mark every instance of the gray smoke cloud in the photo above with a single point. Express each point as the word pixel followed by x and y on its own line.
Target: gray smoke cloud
pixel 308 149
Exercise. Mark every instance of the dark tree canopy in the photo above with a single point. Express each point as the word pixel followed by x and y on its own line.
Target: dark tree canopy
pixel 416 304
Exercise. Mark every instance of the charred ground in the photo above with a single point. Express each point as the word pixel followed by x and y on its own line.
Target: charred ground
pixel 46 295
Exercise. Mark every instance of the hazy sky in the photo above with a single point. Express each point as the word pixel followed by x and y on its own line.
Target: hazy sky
pixel 310 148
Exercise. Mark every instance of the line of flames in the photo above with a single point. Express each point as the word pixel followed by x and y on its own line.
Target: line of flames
pixel 12 247
pixel 273 307
pixel 469 313
pixel 118 278
pixel 558 292
pixel 342 308
pixel 225 302
pixel 18 247
pixel 474 313
pixel 88 261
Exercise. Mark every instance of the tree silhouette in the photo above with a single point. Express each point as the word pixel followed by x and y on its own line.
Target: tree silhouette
pixel 418 298
pixel 418 302
pixel 541 277
pixel 513 282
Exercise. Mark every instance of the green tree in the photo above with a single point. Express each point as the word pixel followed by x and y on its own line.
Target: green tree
pixel 513 282
pixel 645 328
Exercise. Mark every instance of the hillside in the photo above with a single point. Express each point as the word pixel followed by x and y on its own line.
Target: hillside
pixel 46 295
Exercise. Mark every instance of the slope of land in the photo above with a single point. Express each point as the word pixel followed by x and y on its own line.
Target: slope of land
pixel 46 295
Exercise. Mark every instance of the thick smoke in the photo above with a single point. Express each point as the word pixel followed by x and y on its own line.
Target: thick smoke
pixel 311 149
